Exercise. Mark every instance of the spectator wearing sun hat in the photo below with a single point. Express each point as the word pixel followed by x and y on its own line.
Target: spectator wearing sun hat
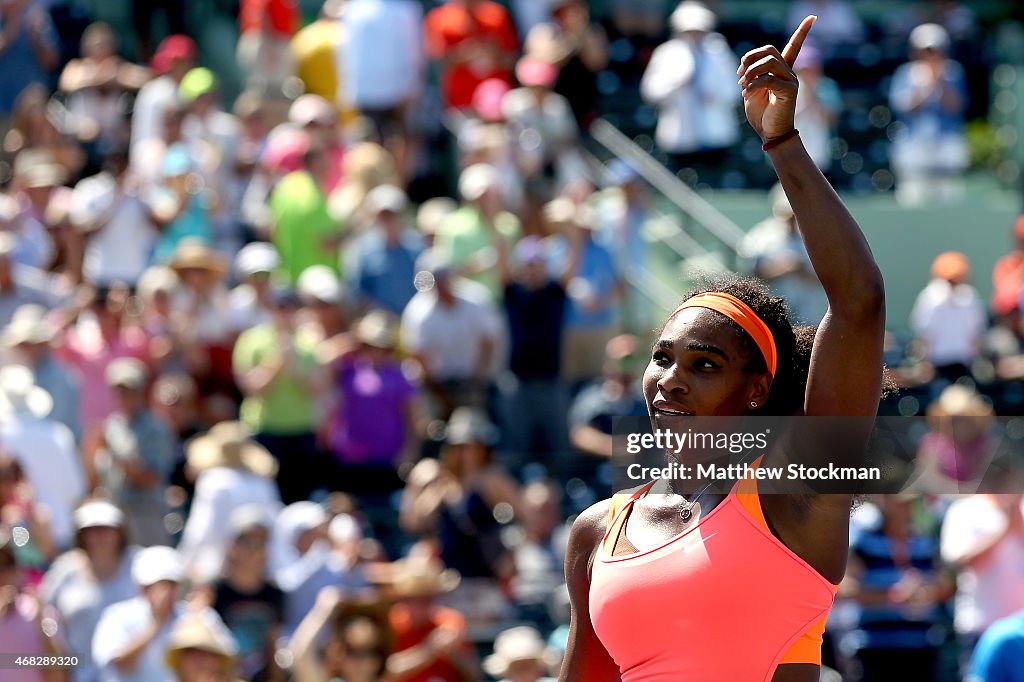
pixel 44 448
pixel 131 637
pixel 520 655
pixel 173 59
pixel 27 340
pixel 324 302
pixel 95 573
pixel 381 263
pixel 231 471
pixel 319 119
pixel 201 648
pixel 948 317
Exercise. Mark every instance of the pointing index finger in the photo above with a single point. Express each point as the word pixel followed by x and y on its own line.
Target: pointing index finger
pixel 792 48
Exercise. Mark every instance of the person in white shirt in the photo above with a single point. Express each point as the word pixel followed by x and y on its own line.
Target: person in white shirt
pixel 983 536
pixel 120 230
pixel 249 302
pixel 231 471
pixel 132 636
pixel 452 335
pixel 173 59
pixel 692 80
pixel 44 448
pixel 948 317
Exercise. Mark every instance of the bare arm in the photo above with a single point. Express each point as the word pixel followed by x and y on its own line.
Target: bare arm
pixel 586 659
pixel 846 363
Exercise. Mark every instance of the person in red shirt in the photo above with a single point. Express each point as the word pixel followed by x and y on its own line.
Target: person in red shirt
pixel 266 27
pixel 430 640
pixel 1008 275
pixel 473 40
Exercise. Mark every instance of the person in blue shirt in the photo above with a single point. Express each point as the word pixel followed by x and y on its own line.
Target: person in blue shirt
pixel 929 97
pixel 998 655
pixel 381 263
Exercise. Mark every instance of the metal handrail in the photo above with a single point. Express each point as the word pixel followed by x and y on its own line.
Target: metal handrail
pixel 674 189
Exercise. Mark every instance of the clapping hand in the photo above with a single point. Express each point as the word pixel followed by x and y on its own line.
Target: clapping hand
pixel 770 84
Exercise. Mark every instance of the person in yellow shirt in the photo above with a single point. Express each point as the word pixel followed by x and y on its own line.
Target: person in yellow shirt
pixel 316 50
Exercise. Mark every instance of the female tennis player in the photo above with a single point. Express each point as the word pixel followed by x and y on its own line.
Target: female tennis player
pixel 700 587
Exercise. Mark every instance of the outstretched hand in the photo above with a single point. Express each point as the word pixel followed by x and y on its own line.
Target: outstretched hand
pixel 770 84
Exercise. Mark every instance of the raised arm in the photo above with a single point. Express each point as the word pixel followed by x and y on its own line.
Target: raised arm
pixel 846 362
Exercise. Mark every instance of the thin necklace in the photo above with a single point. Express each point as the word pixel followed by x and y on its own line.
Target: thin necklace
pixel 686 513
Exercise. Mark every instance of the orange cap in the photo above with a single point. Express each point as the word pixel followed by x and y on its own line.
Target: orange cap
pixel 743 315
pixel 952 266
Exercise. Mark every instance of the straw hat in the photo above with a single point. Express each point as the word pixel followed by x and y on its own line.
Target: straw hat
pixel 420 578
pixel 376 330
pixel 960 401
pixel 470 425
pixel 517 644
pixel 433 212
pixel 228 445
pixel 202 630
pixel 192 254
pixel 28 325
pixel 20 395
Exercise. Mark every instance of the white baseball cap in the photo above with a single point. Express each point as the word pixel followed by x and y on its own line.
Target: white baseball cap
pixel 156 564
pixel 98 514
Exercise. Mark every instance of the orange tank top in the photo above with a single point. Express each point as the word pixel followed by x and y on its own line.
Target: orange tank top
pixel 723 601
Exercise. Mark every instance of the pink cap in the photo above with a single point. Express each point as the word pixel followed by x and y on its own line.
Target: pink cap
pixel 488 97
pixel 173 48
pixel 285 150
pixel 534 72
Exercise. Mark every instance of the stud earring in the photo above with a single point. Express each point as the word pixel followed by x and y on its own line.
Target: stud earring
pixel 753 405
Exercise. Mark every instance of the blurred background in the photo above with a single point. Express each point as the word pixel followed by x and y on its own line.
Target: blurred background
pixel 316 316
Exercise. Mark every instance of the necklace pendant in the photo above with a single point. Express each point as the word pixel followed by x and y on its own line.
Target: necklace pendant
pixel 686 514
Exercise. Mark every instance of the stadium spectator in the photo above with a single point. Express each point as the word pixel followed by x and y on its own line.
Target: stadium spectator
pixel 43 448
pixel 30 51
pixel 276 370
pixel 201 649
pixel 129 458
pixel 896 577
pixel 360 640
pixel 96 84
pixel 250 302
pixel 266 28
pixel 251 605
pixel 88 578
pixel 430 640
pixel 929 95
pixel 983 536
pixel 324 304
pixel 21 616
pixel 520 655
pixel 998 652
pixel 535 396
pixel 1008 274
pixel 20 284
pixel 173 59
pixel 381 263
pixel 453 334
pixel 35 177
pixel 594 291
pixel 318 119
pixel 34 548
pixel 948 317
pixel 180 208
pixel 131 637
pixel 372 429
pixel 838 25
pixel 695 66
pixel 578 46
pixel 592 414
pixel 28 338
pixel 819 104
pixel 230 471
pixel 118 225
pixel 539 554
pixel 776 254
pixel 960 445
pixel 318 50
pixel 471 40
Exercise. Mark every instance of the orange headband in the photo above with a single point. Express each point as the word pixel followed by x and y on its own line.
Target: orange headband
pixel 743 315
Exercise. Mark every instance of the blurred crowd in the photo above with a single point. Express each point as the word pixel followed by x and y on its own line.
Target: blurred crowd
pixel 309 385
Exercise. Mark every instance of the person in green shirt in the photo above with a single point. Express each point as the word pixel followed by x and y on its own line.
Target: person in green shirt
pixel 303 230
pixel 277 372
pixel 467 236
